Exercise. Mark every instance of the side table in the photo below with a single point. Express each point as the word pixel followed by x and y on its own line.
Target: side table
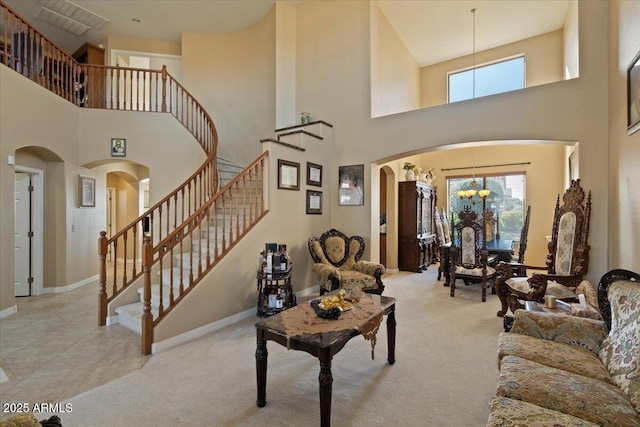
pixel 272 288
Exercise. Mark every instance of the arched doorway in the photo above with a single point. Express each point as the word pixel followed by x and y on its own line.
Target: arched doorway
pixel 37 169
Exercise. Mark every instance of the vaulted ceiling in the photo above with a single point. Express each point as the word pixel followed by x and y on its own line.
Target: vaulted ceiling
pixel 433 31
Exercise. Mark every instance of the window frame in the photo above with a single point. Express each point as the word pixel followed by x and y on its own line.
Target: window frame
pixel 488 64
pixel 481 179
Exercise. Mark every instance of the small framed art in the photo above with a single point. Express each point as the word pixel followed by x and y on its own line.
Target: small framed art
pixel 118 147
pixel 288 175
pixel 351 185
pixel 314 202
pixel 314 174
pixel 87 191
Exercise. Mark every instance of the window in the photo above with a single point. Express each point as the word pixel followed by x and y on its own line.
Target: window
pixel 507 200
pixel 498 77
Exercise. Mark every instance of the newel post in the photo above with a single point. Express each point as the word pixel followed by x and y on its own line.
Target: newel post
pixel 164 88
pixel 102 293
pixel 147 317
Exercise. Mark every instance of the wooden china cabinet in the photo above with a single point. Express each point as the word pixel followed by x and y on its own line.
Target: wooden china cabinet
pixel 416 225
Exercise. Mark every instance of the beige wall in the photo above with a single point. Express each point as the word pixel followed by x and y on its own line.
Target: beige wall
pixel 141 45
pixel 395 76
pixel 233 75
pixel 543 57
pixel 285 107
pixel 624 176
pixel 571 44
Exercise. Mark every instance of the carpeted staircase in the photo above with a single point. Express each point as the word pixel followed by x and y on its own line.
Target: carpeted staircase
pixel 130 315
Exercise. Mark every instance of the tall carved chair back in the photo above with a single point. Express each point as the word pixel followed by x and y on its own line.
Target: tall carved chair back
pixel 469 252
pixel 445 225
pixel 440 236
pixel 567 261
pixel 568 247
pixel 524 235
pixel 490 222
pixel 442 242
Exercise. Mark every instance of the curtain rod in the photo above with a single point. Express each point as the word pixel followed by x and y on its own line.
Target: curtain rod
pixel 486 166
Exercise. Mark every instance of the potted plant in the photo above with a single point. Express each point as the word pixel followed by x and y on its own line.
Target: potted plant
pixel 409 167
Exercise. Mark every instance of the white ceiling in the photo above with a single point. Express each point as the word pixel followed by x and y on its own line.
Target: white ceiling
pixel 436 31
pixel 432 30
pixel 160 19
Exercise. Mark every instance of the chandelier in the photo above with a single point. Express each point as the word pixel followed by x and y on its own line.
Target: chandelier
pixel 470 193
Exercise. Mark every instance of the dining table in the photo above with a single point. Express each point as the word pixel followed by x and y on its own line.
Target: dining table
pixel 499 250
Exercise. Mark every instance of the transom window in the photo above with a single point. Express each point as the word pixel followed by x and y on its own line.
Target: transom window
pixel 497 77
pixel 507 200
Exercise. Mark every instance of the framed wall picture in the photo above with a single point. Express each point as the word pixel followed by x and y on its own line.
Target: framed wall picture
pixel 118 147
pixel 288 175
pixel 351 185
pixel 314 174
pixel 87 191
pixel 314 202
pixel 633 95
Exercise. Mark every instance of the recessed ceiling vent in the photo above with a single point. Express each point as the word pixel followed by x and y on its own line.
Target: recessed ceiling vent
pixel 69 16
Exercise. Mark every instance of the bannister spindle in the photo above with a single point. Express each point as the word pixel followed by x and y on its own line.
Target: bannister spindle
pixel 124 268
pixel 164 88
pixel 160 288
pixel 135 250
pixel 102 293
pixel 114 251
pixel 147 317
pixel 216 254
pixel 244 201
pixel 237 209
pixel 251 217
pixel 118 101
pixel 224 224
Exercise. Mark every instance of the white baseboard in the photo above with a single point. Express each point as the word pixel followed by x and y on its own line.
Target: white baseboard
pixel 202 330
pixel 219 324
pixel 8 311
pixel 71 287
pixel 112 320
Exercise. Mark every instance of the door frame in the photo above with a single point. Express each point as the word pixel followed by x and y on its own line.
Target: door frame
pixel 37 224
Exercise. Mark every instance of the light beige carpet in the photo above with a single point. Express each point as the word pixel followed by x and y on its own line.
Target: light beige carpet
pixel 444 375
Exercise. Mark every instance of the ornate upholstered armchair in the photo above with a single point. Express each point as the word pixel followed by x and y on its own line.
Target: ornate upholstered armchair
pixel 469 252
pixel 338 265
pixel 567 260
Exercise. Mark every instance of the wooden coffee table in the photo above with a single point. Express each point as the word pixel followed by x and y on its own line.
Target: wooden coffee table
pixel 323 346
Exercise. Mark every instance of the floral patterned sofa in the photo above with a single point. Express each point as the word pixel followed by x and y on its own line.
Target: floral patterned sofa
pixel 561 370
pixel 338 264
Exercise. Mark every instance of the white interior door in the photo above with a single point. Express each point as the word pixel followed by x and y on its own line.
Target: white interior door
pixel 22 274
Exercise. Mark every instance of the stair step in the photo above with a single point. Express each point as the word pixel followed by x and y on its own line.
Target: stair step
pixel 193 259
pixel 168 274
pixel 155 295
pixel 130 316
